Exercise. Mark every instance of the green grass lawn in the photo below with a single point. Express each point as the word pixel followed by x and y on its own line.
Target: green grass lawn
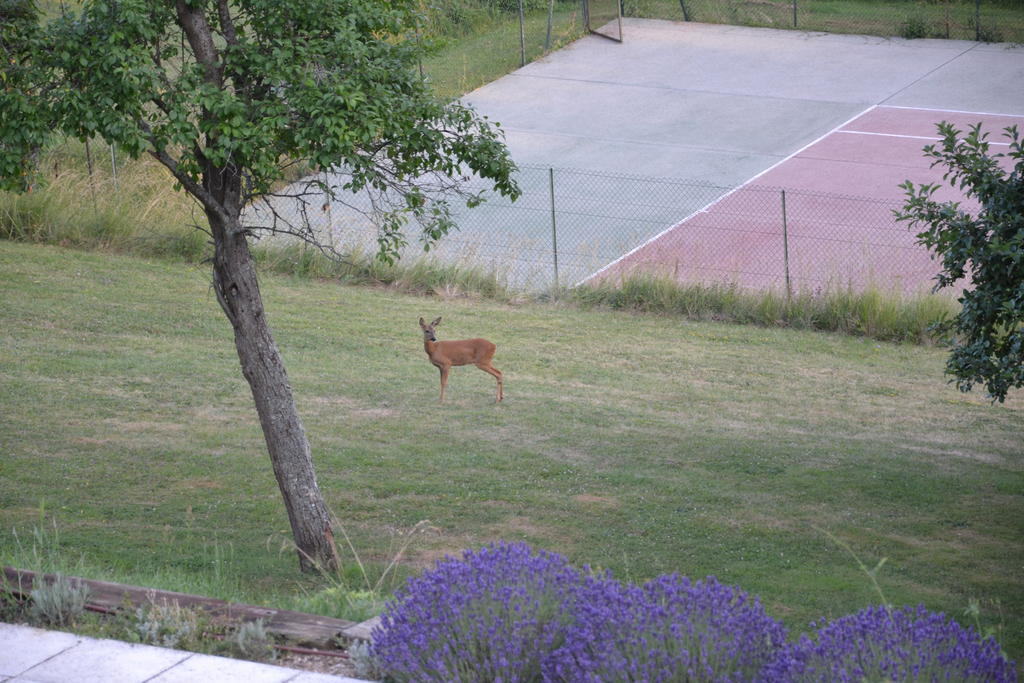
pixel 642 444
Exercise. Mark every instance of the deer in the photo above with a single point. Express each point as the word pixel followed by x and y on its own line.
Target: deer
pixel 445 354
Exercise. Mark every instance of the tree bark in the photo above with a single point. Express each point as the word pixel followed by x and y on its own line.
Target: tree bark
pixel 237 288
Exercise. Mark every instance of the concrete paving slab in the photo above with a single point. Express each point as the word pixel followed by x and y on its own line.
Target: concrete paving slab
pixel 310 677
pixel 104 661
pixel 207 668
pixel 32 655
pixel 22 647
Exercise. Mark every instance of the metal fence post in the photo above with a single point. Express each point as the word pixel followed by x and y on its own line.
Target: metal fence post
pixel 522 35
pixel 551 17
pixel 328 206
pixel 554 230
pixel 686 14
pixel 113 166
pixel 794 13
pixel 785 248
pixel 92 186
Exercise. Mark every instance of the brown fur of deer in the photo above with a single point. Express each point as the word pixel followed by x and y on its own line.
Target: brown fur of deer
pixel 445 354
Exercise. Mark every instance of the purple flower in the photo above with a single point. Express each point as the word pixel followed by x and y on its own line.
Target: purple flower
pixel 878 643
pixel 494 615
pixel 509 614
pixel 668 630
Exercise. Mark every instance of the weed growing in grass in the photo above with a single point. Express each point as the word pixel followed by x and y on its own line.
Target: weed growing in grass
pixel 973 612
pixel 341 602
pixel 872 574
pixel 351 593
pixel 43 553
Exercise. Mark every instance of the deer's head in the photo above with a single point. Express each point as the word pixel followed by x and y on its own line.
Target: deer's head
pixel 428 330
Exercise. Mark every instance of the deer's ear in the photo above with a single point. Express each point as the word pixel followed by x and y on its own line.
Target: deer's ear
pixel 436 322
pixel 422 324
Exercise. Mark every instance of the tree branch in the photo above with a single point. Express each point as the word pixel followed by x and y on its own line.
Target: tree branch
pixel 227 24
pixel 207 199
pixel 200 37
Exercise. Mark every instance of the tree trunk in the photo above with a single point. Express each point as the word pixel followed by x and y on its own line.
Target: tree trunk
pixel 234 279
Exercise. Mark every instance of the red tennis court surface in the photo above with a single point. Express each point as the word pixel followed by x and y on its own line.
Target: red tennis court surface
pixel 824 214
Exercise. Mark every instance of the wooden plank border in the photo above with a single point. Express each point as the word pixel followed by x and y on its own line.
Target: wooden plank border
pixel 298 627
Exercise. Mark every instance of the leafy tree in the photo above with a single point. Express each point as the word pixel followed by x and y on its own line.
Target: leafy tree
pixel 984 244
pixel 23 127
pixel 227 95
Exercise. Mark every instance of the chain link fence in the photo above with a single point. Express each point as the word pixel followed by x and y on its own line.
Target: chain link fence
pixel 572 226
pixel 980 20
pixel 761 237
pixel 518 31
pixel 498 37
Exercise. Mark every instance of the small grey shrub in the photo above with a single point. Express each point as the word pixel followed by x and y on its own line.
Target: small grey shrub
pixel 253 642
pixel 166 625
pixel 59 603
pixel 366 665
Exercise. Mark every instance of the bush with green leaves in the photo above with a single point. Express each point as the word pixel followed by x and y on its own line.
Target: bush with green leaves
pixel 914 27
pixel 980 242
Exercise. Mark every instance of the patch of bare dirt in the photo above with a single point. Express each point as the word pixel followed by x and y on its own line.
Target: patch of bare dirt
pixel 322 664
pixel 600 501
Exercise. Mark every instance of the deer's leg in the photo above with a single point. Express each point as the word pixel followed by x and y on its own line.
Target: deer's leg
pixel 497 375
pixel 444 379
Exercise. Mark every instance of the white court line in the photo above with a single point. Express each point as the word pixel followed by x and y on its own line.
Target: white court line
pixel 726 195
pixel 907 137
pixel 951 111
pixel 887 135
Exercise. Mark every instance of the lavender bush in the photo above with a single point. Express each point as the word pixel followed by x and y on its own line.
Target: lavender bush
pixel 879 644
pixel 495 615
pixel 668 630
pixel 509 614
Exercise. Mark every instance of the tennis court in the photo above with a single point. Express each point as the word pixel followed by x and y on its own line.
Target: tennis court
pixel 837 121
pixel 673 149
pixel 821 218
